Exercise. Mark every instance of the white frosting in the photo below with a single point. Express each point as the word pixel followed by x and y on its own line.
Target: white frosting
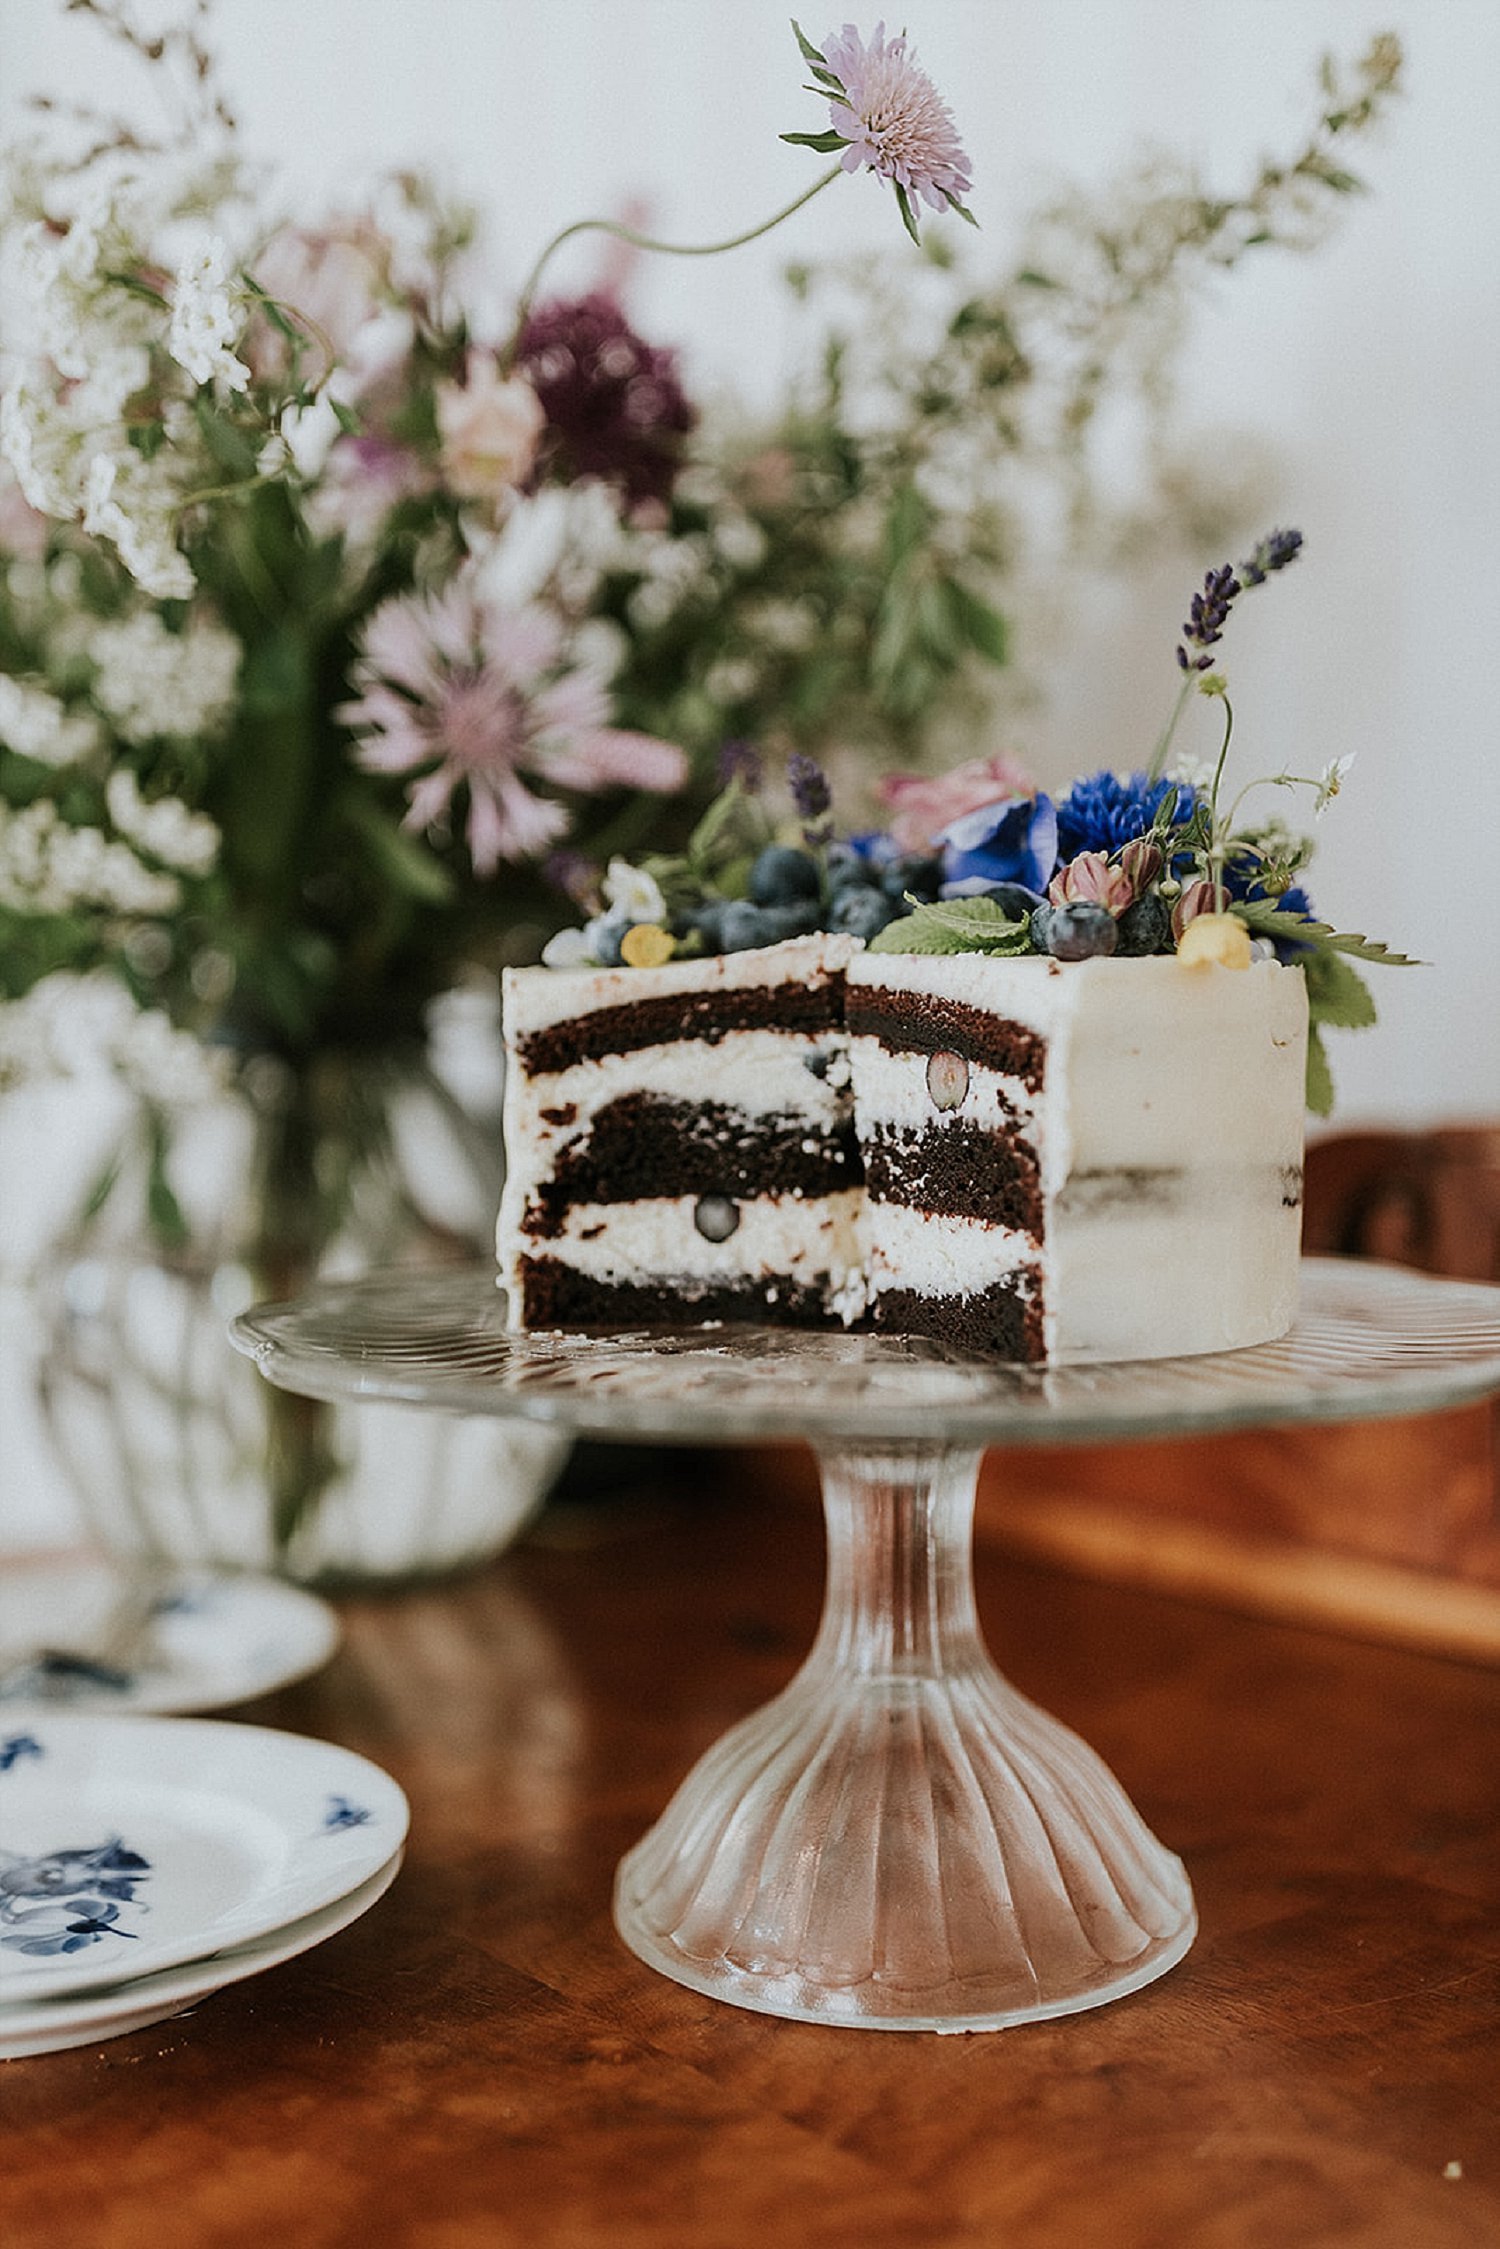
pixel 1169 1133
pixel 536 998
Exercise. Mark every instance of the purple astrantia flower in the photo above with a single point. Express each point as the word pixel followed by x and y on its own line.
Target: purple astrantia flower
pixel 1014 840
pixel 614 405
pixel 457 692
pixel 740 761
pixel 894 121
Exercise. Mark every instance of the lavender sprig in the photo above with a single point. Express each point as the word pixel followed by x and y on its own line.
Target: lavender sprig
pixel 1208 614
pixel 812 797
pixel 1207 617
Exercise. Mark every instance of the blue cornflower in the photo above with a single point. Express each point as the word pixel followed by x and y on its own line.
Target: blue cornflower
pixel 1105 810
pixel 1014 840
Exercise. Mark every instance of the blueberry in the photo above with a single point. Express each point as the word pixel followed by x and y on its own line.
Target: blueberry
pixel 861 913
pixel 709 922
pixel 716 1217
pixel 742 927
pixel 1041 923
pixel 1146 927
pixel 791 921
pixel 1014 899
pixel 1081 932
pixel 604 934
pixel 924 877
pixel 784 876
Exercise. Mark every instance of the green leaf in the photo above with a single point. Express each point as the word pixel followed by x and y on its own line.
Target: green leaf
pixel 410 867
pixel 1319 1076
pixel 825 143
pixel 955 925
pixel 162 1207
pixel 908 218
pixel 808 51
pixel 1336 992
pixel 962 209
pixel 982 627
pixel 1265 919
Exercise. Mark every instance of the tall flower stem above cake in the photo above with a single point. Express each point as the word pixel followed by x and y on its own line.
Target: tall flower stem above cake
pixel 885 116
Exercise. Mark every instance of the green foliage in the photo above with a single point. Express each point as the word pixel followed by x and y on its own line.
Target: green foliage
pixel 954 925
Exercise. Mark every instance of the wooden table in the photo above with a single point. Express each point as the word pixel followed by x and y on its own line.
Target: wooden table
pixel 479 2062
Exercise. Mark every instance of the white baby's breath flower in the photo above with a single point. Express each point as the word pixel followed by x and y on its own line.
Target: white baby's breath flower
pixel 152 682
pixel 633 894
pixel 164 828
pixel 39 726
pixel 741 542
pixel 70 1026
pixel 568 948
pixel 50 867
pixel 731 680
pixel 1331 780
pixel 135 510
pixel 206 318
pixel 1193 772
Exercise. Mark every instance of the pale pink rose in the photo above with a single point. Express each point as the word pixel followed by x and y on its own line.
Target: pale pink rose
pixel 488 427
pixel 922 806
pixel 1091 880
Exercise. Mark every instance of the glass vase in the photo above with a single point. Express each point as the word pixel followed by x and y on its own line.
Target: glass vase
pixel 178 1451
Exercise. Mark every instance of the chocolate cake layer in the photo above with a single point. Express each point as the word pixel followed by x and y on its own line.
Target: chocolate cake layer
pixel 646 1145
pixel 958 1170
pixel 923 1023
pixel 557 1296
pixel 998 1320
pixel 703 1016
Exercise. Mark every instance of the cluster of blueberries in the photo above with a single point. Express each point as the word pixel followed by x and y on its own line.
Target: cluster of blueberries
pixel 868 888
pixel 786 896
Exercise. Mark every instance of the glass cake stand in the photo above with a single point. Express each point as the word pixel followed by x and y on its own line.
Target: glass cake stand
pixel 898 1840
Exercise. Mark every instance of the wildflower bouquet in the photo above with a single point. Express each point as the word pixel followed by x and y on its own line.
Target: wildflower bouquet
pixel 337 629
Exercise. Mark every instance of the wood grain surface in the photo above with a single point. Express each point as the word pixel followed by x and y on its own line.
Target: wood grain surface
pixel 479 2062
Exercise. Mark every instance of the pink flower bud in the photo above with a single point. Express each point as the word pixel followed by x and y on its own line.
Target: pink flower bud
pixel 1198 898
pixel 1090 880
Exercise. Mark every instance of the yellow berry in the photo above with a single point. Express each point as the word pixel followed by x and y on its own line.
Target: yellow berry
pixel 1221 940
pixel 646 945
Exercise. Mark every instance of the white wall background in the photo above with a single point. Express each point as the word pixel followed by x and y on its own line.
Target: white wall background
pixel 1367 372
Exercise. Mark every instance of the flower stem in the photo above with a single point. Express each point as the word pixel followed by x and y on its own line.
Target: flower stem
pixel 1219 829
pixel 1159 755
pixel 647 242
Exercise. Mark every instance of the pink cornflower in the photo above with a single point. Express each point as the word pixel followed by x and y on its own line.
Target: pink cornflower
pixel 458 692
pixel 895 121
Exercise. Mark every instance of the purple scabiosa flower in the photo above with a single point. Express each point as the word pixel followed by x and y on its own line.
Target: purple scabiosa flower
pixel 1013 840
pixel 891 119
pixel 1104 811
pixel 615 407
pixel 457 692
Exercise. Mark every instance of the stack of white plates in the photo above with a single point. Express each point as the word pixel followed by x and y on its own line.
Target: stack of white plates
pixel 147 1862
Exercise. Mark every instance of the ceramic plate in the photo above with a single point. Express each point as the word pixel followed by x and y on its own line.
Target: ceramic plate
pixel 129 1845
pixel 50 2026
pixel 212 1639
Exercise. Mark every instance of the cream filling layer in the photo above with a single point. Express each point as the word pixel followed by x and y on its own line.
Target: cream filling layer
pixel 892 1089
pixel 816 1240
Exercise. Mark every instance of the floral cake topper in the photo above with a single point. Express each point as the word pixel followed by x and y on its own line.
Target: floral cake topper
pixel 980 859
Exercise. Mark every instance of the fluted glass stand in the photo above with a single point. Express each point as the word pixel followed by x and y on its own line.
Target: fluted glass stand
pixel 899 1840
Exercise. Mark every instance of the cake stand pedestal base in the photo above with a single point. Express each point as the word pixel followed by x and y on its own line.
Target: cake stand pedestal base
pixel 900 1841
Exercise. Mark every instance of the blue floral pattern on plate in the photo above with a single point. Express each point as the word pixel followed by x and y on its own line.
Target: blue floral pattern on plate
pixel 342 1813
pixel 68 1899
pixel 15 1747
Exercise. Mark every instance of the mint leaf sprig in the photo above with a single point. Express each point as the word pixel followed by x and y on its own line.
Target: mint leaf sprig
pixel 954 925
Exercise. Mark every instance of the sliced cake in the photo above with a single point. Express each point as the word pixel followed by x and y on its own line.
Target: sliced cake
pixel 680 1142
pixel 1096 1159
